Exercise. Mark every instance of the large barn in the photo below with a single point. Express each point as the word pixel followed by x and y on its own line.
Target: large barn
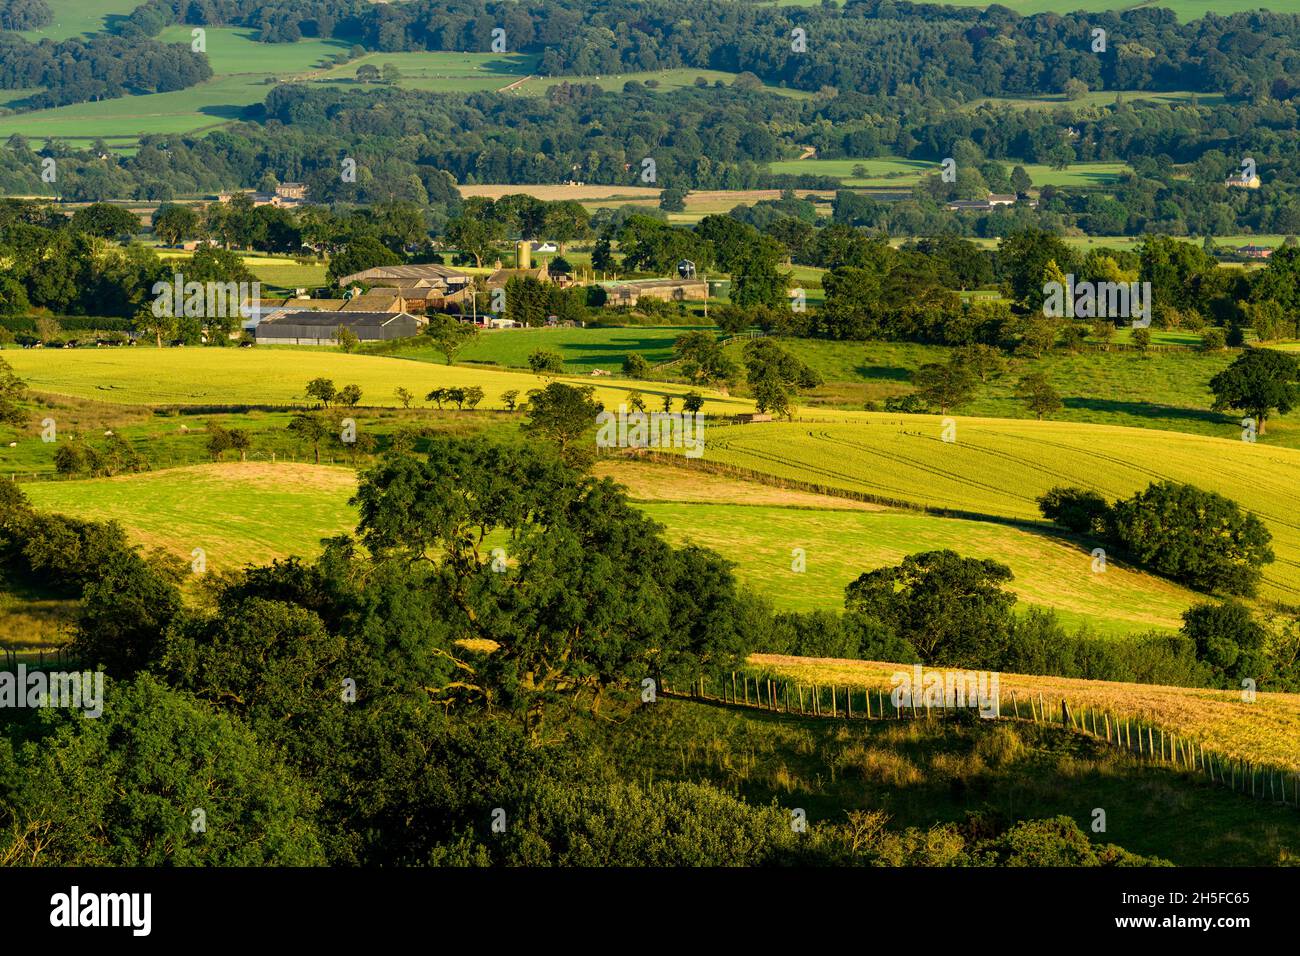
pixel 321 328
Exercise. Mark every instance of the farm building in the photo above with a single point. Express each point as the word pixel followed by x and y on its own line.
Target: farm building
pixel 667 290
pixel 499 278
pixel 1254 252
pixel 319 328
pixel 437 275
pixel 992 202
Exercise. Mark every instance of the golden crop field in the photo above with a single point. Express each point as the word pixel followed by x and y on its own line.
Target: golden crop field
pixel 1266 730
pixel 998 467
pixel 279 376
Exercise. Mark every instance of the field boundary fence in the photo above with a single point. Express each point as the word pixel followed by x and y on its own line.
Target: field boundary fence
pixel 1141 738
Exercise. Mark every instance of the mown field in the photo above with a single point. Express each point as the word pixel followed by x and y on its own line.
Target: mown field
pixel 840 545
pixel 236 512
pixel 279 376
pixel 257 510
pixel 997 467
pixel 1264 731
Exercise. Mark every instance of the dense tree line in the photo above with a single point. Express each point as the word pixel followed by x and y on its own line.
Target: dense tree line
pixel 25 14
pixel 276 21
pixel 878 45
pixel 98 67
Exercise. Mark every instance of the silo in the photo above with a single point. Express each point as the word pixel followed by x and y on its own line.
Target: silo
pixel 523 254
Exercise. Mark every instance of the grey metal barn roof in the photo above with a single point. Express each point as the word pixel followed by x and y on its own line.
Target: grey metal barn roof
pixel 332 320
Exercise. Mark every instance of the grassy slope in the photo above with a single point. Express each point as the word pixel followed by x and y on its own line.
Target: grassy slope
pixel 258 510
pixel 1265 730
pixel 278 376
pixel 237 512
pixel 998 467
pixel 920 773
pixel 840 545
pixel 1164 390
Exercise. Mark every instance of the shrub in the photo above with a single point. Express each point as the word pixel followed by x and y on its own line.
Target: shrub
pixel 1076 509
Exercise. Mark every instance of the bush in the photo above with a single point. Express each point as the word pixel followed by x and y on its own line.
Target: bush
pixel 1228 641
pixel 1198 538
pixel 1076 509
pixel 1213 339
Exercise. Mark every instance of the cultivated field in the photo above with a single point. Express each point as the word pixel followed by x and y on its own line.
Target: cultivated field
pixel 279 376
pixel 997 467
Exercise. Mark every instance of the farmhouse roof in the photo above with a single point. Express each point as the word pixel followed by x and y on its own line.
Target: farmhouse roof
pixel 426 270
pixel 335 319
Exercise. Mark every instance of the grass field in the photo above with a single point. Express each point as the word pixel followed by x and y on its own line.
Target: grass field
pixel 997 468
pixel 438 71
pixel 237 512
pixel 278 376
pixel 73 17
pixel 1266 730
pixel 898 173
pixel 254 511
pixel 1167 390
pixel 582 349
pixel 840 545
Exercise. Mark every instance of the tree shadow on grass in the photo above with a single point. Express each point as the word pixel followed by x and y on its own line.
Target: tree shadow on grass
pixel 1148 410
pixel 889 373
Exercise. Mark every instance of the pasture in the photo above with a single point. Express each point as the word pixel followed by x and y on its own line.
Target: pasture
pixel 1165 390
pixel 73 17
pixel 837 546
pixel 279 376
pixel 998 467
pixel 236 512
pixel 899 173
pixel 581 349
pixel 240 512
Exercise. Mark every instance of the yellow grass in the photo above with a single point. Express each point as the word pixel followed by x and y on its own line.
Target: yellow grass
pixel 1266 731
pixel 279 376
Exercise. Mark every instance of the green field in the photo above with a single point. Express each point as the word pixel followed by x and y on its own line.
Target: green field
pixel 278 376
pixel 898 173
pixel 1166 390
pixel 72 17
pixel 582 349
pixel 997 467
pixel 236 512
pixel 255 511
pixel 840 545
